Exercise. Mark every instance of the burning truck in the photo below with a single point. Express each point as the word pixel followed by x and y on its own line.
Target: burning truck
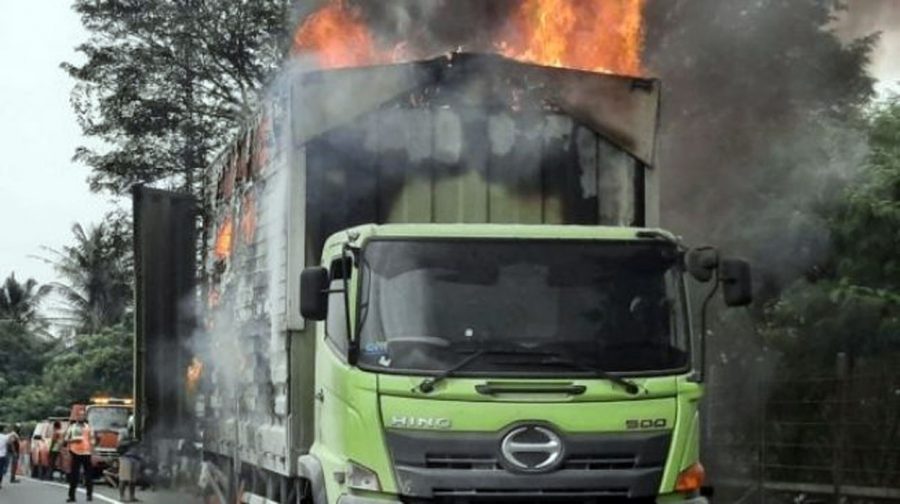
pixel 439 281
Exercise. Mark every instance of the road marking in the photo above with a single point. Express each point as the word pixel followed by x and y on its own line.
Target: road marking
pixel 79 490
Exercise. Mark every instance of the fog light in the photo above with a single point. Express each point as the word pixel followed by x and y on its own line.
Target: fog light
pixel 362 478
pixel 691 479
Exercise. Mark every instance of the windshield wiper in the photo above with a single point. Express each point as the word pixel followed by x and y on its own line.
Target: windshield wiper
pixel 629 386
pixel 427 385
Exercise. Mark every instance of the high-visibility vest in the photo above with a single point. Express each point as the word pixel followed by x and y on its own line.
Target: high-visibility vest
pixel 80 439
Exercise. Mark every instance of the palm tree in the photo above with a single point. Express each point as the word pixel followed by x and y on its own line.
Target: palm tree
pixel 19 302
pixel 96 273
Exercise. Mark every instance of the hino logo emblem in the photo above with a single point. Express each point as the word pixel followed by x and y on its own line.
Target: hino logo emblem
pixel 409 422
pixel 532 448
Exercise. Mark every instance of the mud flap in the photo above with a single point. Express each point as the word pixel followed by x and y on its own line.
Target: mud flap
pixel 309 468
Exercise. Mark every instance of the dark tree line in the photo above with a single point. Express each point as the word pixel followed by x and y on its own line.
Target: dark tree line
pixel 163 86
pixel 166 83
pixel 87 350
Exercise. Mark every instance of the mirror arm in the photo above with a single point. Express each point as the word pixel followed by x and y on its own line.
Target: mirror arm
pixel 352 343
pixel 703 311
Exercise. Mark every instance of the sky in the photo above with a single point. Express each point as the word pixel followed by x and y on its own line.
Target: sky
pixel 43 193
pixel 865 17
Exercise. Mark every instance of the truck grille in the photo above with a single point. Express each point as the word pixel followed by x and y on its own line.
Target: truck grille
pixel 553 493
pixel 469 468
pixel 452 461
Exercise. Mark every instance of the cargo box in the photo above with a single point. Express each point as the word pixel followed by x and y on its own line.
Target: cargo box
pixel 465 138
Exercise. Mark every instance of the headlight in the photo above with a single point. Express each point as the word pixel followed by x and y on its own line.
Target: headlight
pixel 362 478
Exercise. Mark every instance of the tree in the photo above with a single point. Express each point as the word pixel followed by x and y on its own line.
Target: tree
pixel 100 363
pixel 762 125
pixel 850 306
pixel 38 379
pixel 853 305
pixel 166 81
pixel 96 273
pixel 19 303
pixel 22 357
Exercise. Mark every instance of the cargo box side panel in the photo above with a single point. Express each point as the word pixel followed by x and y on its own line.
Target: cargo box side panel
pixel 249 328
pixel 165 258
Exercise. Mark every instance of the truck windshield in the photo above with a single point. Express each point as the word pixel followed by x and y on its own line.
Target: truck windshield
pixel 554 308
pixel 105 418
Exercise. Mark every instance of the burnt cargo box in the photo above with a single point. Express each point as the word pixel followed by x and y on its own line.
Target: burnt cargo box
pixel 467 138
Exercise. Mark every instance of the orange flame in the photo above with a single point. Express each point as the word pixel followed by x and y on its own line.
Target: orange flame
pixel 194 372
pixel 224 239
pixel 594 35
pixel 337 36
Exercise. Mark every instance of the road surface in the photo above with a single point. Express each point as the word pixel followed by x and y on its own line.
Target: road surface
pixel 31 491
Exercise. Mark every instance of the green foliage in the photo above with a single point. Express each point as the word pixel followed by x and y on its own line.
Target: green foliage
pixel 97 364
pixel 97 273
pixel 22 357
pixel 40 375
pixel 867 226
pixel 19 303
pixel 50 377
pixel 165 81
pixel 853 305
pixel 21 354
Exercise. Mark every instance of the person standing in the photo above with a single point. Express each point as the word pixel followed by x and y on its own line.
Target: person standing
pixel 56 439
pixel 15 445
pixel 4 451
pixel 80 440
pixel 129 463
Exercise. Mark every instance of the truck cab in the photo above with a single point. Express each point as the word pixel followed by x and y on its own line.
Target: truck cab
pixel 108 417
pixel 469 363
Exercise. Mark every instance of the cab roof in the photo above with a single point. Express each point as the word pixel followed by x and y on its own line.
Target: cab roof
pixel 360 234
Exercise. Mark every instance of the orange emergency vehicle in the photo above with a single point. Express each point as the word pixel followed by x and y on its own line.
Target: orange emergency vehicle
pixel 108 418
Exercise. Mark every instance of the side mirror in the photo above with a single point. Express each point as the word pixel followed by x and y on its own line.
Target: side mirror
pixel 737 282
pixel 314 293
pixel 701 262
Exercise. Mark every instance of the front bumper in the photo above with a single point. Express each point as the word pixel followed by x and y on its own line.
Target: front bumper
pixel 102 459
pixel 354 499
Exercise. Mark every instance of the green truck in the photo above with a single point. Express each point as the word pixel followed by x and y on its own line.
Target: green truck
pixel 434 282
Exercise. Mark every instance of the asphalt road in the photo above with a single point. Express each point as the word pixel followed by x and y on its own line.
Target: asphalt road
pixel 31 491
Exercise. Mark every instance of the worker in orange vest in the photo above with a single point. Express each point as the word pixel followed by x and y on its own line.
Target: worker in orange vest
pixel 80 440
